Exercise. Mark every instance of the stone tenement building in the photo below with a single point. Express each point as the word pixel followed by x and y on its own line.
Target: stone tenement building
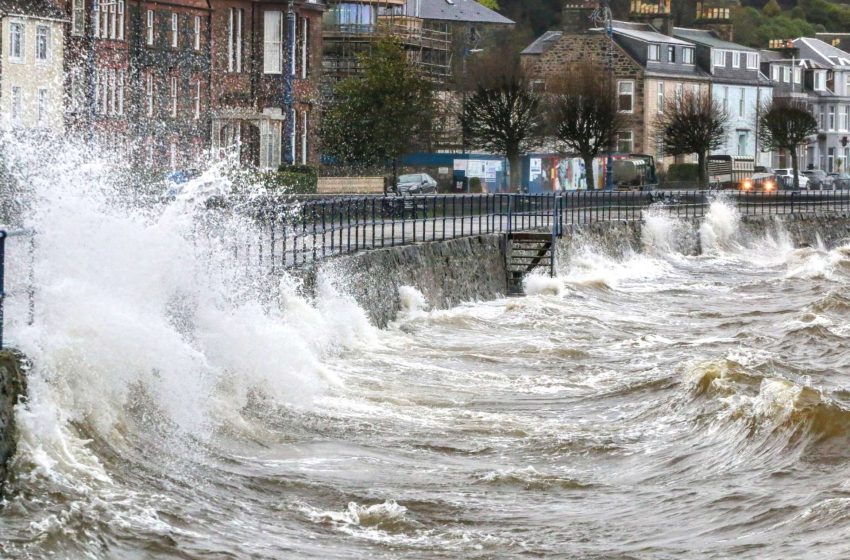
pixel 162 82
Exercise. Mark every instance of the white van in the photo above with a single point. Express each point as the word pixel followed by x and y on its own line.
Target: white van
pixel 786 179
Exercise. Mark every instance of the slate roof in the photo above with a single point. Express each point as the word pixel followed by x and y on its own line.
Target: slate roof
pixel 543 43
pixel 37 8
pixel 465 11
pixel 821 52
pixel 644 32
pixel 709 39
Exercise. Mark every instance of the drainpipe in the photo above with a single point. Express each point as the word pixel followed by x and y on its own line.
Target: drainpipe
pixel 288 87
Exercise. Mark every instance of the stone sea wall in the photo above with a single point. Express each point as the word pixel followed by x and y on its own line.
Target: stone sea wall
pixel 12 389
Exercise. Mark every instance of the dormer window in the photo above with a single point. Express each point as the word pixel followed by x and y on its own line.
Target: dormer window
pixel 654 53
pixel 820 80
pixel 671 53
pixel 736 59
pixel 720 58
pixel 752 61
pixel 687 55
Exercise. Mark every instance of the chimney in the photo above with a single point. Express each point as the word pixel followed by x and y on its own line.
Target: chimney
pixel 576 15
pixel 657 13
pixel 715 18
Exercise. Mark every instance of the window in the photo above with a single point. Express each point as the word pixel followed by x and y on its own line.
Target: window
pixel 752 61
pixel 197 99
pixel 273 42
pixel 16 42
pixel 786 75
pixel 654 53
pixel 304 138
pixel 78 17
pixel 16 108
pixel 720 58
pixel 820 80
pixel 173 156
pixel 680 90
pixel 743 142
pixel 42 107
pixel 112 102
pixel 671 53
pixel 726 98
pixel 42 43
pixel 626 93
pixel 270 143
pixel 774 73
pixel 119 94
pixel 844 117
pixel 96 18
pixel 305 48
pixel 104 21
pixel 659 147
pixel 688 55
pixel 149 37
pixel 113 21
pixel 660 99
pixel 742 102
pixel 120 20
pixel 798 75
pixel 832 117
pixel 197 33
pixel 625 142
pixel 736 59
pixel 149 94
pixel 234 41
pixel 174 31
pixel 77 97
pixel 174 96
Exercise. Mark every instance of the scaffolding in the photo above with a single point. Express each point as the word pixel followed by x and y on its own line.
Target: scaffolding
pixel 351 28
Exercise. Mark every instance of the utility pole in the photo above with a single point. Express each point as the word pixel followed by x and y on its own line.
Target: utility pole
pixel 603 16
pixel 288 87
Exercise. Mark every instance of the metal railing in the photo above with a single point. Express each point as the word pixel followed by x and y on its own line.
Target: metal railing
pixel 294 234
pixel 26 256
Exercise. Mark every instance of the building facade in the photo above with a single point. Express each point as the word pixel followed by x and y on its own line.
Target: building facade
pixel 31 66
pixel 648 67
pixel 818 74
pixel 737 85
pixel 248 81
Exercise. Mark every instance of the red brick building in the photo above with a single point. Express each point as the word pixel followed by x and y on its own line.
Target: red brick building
pixel 248 74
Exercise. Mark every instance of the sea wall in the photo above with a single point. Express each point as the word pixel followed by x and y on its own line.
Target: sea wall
pixel 12 389
pixel 447 273
pixel 452 272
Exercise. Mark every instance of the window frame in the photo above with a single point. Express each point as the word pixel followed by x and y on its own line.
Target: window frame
pixel 234 40
pixel 16 105
pixel 78 18
pixel 39 37
pixel 174 93
pixel 273 45
pixel 736 60
pixel 660 97
pixel 671 54
pixel 631 141
pixel 197 42
pixel 717 56
pixel 150 23
pixel 21 41
pixel 688 56
pixel 631 95
pixel 754 58
pixel 653 47
pixel 175 30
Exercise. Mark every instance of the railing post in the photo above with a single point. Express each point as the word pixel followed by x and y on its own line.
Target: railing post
pixel 2 284
pixel 510 213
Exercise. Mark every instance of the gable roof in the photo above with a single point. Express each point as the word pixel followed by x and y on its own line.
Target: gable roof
pixel 35 8
pixel 466 11
pixel 543 43
pixel 709 39
pixel 821 52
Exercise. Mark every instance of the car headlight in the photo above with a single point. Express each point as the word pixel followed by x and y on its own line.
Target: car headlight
pixel 769 186
pixel 747 185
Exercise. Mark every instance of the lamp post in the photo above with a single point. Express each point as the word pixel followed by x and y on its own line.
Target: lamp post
pixel 602 15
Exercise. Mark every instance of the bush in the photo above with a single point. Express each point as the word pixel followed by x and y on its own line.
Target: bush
pixel 683 172
pixel 475 185
pixel 296 179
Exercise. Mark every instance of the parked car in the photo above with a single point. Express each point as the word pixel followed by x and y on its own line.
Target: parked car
pixel 819 180
pixel 841 180
pixel 763 182
pixel 417 183
pixel 786 179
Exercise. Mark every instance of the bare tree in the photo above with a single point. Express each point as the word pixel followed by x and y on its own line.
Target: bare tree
pixel 502 115
pixel 693 123
pixel 584 114
pixel 784 124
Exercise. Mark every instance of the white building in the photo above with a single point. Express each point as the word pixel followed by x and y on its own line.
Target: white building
pixel 31 69
pixel 738 85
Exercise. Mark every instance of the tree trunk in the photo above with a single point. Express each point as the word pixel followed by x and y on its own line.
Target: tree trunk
pixel 516 171
pixel 395 174
pixel 588 172
pixel 703 171
pixel 795 168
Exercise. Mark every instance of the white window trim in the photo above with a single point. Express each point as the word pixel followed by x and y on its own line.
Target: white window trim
pixel 150 27
pixel 273 48
pixel 631 136
pixel 121 20
pixel 688 51
pixel 197 33
pixel 736 59
pixel 47 46
pixel 304 138
pixel 234 40
pixel 754 58
pixel 174 31
pixel 149 93
pixel 174 92
pixel 719 56
pixel 657 49
pixel 23 51
pixel 659 98
pixel 197 100
pixel 16 105
pixel 742 102
pixel 42 107
pixel 78 17
pixel 305 34
pixel 632 93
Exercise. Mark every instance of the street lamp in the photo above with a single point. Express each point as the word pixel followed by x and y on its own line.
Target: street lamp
pixel 288 87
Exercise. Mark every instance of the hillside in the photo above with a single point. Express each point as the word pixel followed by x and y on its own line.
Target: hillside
pixel 756 21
